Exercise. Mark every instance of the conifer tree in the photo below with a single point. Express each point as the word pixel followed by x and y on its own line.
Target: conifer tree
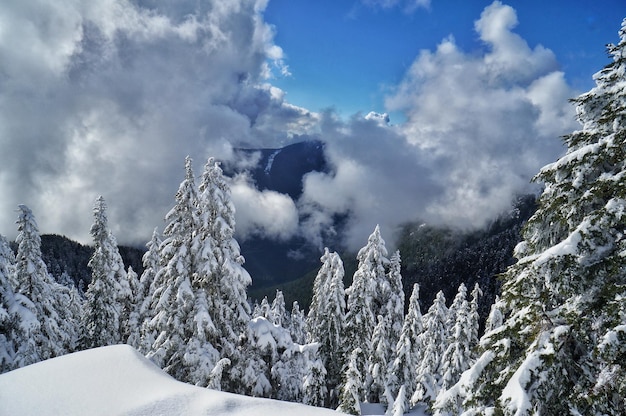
pixel 377 364
pixel 221 270
pixel 561 348
pixel 131 321
pixel 108 294
pixel 367 296
pixel 174 300
pixel 278 313
pixel 54 336
pixel 474 318
pixel 297 323
pixel 433 341
pixel 457 356
pixel 495 318
pixel 147 287
pixel 325 321
pixel 17 320
pixel 352 389
pixel 394 307
pixel 407 354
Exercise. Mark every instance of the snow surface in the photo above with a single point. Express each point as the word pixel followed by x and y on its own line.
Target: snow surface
pixel 118 380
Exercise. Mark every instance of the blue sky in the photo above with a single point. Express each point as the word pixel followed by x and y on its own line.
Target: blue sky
pixel 348 54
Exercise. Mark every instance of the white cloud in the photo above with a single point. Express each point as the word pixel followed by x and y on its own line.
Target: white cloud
pixel 479 126
pixel 263 213
pixel 108 97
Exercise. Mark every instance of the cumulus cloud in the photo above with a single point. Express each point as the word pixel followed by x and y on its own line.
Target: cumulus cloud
pixel 263 213
pixel 479 126
pixel 108 97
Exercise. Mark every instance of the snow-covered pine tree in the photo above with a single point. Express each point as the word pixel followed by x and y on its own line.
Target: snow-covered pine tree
pixel 263 309
pixel 367 295
pixel 561 348
pixel 376 376
pixel 457 356
pixel 228 280
pixel 17 321
pixel 174 299
pixel 394 307
pixel 297 323
pixel 108 294
pixel 400 405
pixel 325 321
pixel 495 318
pixel 278 312
pixel 131 321
pixel 434 341
pixel 474 319
pixel 54 336
pixel 368 292
pixel 407 354
pixel 352 389
pixel 147 286
pixel 314 390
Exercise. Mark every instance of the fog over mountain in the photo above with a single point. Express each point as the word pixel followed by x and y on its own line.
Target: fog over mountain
pixel 107 98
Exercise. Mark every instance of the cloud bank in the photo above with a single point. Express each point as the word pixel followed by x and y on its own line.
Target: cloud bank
pixel 107 98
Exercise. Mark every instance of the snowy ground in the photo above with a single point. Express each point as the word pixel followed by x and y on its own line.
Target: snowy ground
pixel 117 380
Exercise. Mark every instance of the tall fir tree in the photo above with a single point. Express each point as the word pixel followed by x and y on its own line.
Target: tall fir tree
pixel 108 294
pixel 148 285
pixel 367 296
pixel 297 324
pixel 221 271
pixel 17 320
pixel 394 306
pixel 434 341
pixel 325 321
pixel 352 391
pixel 562 347
pixel 174 299
pixel 54 336
pixel 458 354
pixel 406 358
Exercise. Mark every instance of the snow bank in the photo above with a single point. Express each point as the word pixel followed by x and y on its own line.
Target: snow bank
pixel 117 380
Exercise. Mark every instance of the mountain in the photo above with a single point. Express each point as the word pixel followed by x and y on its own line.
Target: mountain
pixel 441 258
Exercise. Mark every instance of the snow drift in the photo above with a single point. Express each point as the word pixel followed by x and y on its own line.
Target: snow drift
pixel 118 380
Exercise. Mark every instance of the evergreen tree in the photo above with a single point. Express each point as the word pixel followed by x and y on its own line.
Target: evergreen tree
pixel 54 336
pixel 561 348
pixel 108 294
pixel 147 286
pixel 221 270
pixel 174 299
pixel 314 391
pixel 297 324
pixel 434 342
pixel 457 356
pixel 376 376
pixel 131 321
pixel 495 318
pixel 352 389
pixel 278 312
pixel 407 354
pixel 400 405
pixel 394 307
pixel 474 318
pixel 17 321
pixel 325 321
